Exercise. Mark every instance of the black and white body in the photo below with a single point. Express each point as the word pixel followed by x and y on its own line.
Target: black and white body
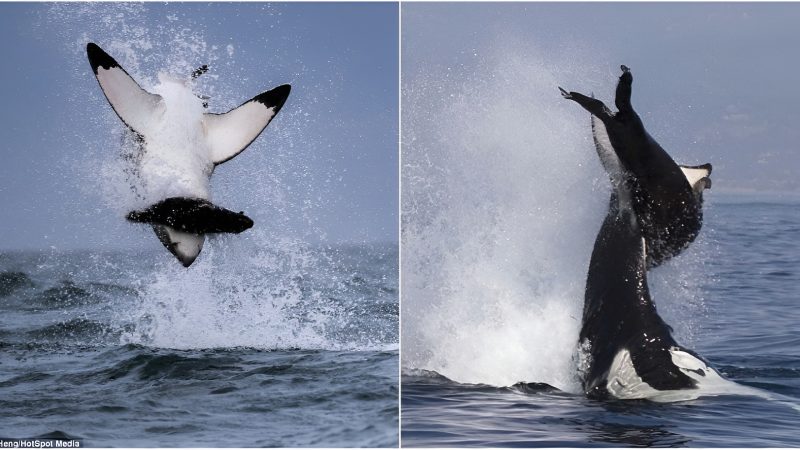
pixel 666 197
pixel 629 350
pixel 181 145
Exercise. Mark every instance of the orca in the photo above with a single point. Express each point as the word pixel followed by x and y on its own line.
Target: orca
pixel 629 349
pixel 181 144
pixel 626 350
pixel 667 198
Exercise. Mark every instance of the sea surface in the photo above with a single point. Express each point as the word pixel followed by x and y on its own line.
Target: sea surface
pixel 745 324
pixel 286 346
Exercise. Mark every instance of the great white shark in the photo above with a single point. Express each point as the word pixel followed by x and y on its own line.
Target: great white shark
pixel 181 146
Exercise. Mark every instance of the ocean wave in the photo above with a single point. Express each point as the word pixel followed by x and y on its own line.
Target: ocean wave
pixel 12 281
pixel 32 377
pixel 60 435
pixel 416 380
pixel 65 294
pixel 76 329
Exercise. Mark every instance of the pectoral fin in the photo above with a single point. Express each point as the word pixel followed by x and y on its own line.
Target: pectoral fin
pixel 135 106
pixel 230 133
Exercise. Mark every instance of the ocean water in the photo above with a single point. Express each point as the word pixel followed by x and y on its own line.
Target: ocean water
pixel 742 318
pixel 278 344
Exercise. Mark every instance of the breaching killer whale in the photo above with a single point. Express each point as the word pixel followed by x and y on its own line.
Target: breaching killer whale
pixel 181 222
pixel 666 197
pixel 630 351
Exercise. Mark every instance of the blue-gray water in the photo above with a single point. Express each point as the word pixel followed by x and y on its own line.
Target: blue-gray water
pixel 747 328
pixel 285 346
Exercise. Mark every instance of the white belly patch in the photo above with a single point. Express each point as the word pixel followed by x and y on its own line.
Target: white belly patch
pixel 625 383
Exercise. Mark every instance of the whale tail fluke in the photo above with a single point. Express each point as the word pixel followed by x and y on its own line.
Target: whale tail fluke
pixel 230 133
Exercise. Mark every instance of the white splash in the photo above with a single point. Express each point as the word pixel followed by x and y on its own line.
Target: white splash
pixel 266 292
pixel 233 299
pixel 176 160
pixel 501 205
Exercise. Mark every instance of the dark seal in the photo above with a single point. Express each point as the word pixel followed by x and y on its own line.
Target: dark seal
pixel 192 215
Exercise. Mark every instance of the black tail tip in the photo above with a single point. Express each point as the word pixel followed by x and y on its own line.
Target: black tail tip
pixel 99 58
pixel 274 98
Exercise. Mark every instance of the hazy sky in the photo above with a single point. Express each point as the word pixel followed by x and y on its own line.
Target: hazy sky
pixel 713 82
pixel 325 169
